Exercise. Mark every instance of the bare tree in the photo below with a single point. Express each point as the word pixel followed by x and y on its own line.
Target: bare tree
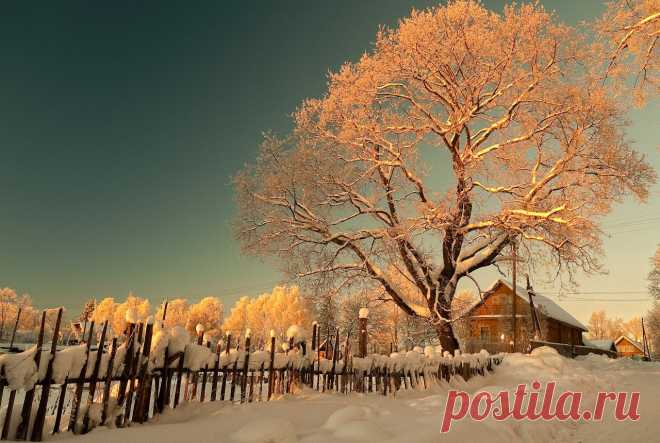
pixel 652 323
pixel 599 325
pixel 461 130
pixel 654 275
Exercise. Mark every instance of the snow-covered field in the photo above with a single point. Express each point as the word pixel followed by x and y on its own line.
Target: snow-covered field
pixel 415 416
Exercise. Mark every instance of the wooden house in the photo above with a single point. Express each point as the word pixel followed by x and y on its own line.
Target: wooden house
pixel 490 321
pixel 627 347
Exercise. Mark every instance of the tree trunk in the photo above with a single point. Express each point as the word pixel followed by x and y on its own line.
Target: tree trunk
pixel 446 336
pixel 443 328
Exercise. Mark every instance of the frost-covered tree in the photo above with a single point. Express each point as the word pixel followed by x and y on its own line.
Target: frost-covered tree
pixel 276 310
pixel 379 326
pixel 326 311
pixel 601 326
pixel 88 310
pixel 10 303
pixel 654 275
pixel 115 313
pixel 208 313
pixel 462 130
pixel 631 30
pixel 141 307
pixel 237 320
pixel 29 314
pixel 104 311
pixel 7 304
pixel 177 313
pixel 598 325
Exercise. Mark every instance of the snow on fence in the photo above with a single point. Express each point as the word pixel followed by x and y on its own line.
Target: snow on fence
pixel 154 368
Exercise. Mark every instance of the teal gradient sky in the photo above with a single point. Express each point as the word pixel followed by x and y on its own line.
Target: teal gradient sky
pixel 121 126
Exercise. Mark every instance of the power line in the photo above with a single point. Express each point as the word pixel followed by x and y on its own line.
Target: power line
pixel 607 300
pixel 631 222
pixel 635 230
pixel 641 291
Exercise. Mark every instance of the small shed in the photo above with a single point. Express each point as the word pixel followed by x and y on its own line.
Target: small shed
pixel 627 347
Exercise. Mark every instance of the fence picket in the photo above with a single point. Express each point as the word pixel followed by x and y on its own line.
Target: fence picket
pixel 94 379
pixel 26 412
pixel 81 382
pixel 40 418
pixel 108 380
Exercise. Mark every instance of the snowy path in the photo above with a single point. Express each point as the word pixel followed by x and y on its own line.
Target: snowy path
pixel 414 416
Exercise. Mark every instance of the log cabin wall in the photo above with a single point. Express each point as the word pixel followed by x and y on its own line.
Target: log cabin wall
pixel 490 325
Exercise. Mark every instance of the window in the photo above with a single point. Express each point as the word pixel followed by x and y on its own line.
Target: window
pixel 484 334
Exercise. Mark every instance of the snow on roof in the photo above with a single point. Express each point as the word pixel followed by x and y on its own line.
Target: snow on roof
pixel 548 307
pixel 605 345
pixel 635 343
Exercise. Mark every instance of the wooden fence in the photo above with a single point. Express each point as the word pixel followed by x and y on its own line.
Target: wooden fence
pixel 76 389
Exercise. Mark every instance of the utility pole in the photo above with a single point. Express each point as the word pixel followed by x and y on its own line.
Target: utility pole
pixel 515 296
pixel 535 319
pixel 645 345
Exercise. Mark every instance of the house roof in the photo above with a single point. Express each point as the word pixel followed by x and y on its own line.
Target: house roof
pixel 635 343
pixel 548 307
pixel 605 345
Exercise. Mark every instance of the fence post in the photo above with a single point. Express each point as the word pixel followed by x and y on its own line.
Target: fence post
pixel 225 370
pixel 315 327
pixel 128 364
pixel 133 375
pixel 165 311
pixel 163 389
pixel 344 371
pixel 199 329
pixel 335 355
pixel 166 378
pixel 12 394
pixel 179 375
pixel 202 394
pixel 362 322
pixel 22 431
pixel 144 383
pixel 8 414
pixel 13 334
pixel 271 370
pixel 80 382
pixel 60 407
pixel 234 372
pixel 108 380
pixel 261 379
pixel 39 420
pixel 246 363
pixel 214 382
pixel 94 378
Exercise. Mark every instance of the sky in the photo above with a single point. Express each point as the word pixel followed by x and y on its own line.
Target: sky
pixel 122 124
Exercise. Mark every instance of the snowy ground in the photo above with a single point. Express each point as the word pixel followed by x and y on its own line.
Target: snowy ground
pixel 414 416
